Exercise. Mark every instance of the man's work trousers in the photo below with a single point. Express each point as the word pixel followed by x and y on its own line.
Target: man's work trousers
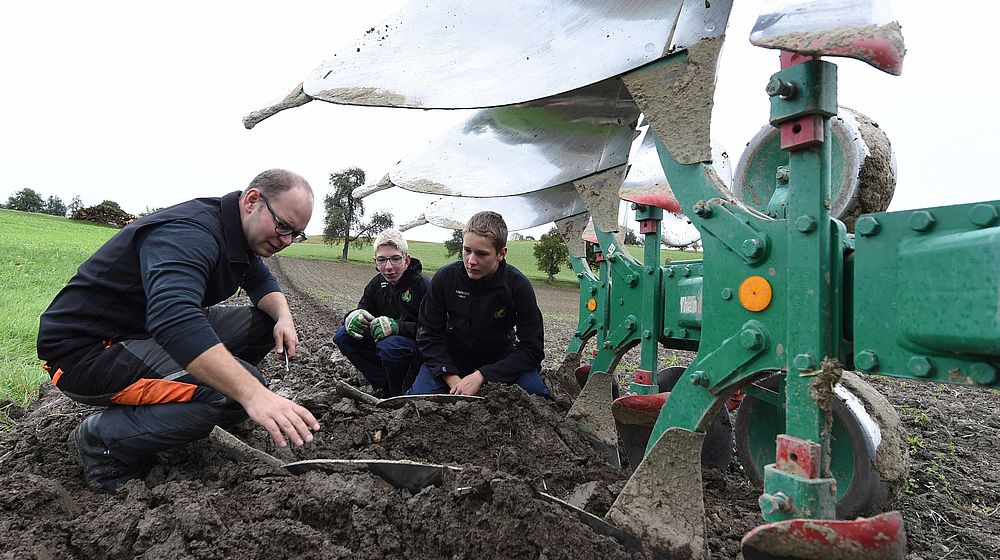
pixel 155 404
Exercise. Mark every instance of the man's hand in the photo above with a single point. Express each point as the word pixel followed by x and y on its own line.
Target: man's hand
pixel 384 326
pixel 469 385
pixel 357 322
pixel 285 337
pixel 281 417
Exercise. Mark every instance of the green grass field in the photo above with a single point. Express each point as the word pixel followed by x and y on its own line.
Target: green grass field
pixel 432 256
pixel 43 252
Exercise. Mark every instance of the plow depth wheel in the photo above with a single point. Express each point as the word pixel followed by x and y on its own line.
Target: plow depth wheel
pixel 864 485
pixel 863 173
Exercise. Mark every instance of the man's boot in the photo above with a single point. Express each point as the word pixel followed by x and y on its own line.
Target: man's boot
pixel 101 470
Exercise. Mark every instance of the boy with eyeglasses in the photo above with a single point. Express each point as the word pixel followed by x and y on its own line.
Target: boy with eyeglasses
pixel 480 320
pixel 379 337
pixel 137 329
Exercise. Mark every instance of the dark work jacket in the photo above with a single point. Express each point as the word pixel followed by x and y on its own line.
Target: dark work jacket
pixel 400 302
pixel 492 324
pixel 153 279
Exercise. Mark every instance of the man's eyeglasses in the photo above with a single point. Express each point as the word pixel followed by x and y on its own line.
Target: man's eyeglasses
pixel 282 228
pixel 395 259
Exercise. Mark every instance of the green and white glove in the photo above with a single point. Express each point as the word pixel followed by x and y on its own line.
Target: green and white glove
pixel 357 322
pixel 384 326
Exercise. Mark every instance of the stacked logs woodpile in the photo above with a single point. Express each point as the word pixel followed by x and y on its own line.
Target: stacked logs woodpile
pixel 104 214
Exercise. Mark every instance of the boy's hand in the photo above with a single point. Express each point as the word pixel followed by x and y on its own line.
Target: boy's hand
pixel 384 326
pixel 469 385
pixel 357 322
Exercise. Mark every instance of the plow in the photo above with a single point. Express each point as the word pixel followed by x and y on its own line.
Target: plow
pixel 805 277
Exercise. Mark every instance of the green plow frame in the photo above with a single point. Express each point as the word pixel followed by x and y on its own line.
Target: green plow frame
pixel 799 295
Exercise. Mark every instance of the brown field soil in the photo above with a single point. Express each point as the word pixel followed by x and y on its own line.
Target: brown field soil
pixel 199 503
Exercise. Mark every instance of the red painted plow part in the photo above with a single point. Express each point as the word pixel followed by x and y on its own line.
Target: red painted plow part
pixel 876 538
pixel 635 416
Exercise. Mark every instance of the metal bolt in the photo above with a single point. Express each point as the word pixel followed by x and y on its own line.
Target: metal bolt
pixel 805 224
pixel 579 275
pixel 751 339
pixel 983 215
pixel 669 272
pixel 867 226
pixel 921 220
pixel 777 87
pixel 752 248
pixel 783 175
pixel 804 362
pixel 635 206
pixel 612 257
pixel 682 333
pixel 606 345
pixel 702 209
pixel 727 294
pixel 646 334
pixel 699 378
pixel 621 301
pixel 773 503
pixel 593 290
pixel 667 332
pixel 685 272
pixel 983 373
pixel 630 279
pixel 866 360
pixel 920 366
pixel 649 270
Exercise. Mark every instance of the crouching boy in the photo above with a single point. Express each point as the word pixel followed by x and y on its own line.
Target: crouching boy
pixel 479 321
pixel 379 337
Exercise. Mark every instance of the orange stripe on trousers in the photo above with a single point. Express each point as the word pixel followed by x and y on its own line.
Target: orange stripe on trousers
pixel 154 391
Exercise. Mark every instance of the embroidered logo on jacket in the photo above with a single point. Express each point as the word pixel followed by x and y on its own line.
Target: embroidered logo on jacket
pixel 406 296
pixel 499 313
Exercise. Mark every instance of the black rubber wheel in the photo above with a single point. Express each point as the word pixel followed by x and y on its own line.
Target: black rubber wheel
pixel 717 451
pixel 860 490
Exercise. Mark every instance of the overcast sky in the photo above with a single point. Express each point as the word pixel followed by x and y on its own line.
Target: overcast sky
pixel 142 103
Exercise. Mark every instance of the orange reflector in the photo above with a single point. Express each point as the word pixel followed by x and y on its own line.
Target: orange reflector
pixel 755 293
pixel 592 304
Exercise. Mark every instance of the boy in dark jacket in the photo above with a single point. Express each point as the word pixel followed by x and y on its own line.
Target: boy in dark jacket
pixel 480 321
pixel 379 337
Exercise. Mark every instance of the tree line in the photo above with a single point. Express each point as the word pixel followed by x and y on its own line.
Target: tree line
pixel 343 221
pixel 108 212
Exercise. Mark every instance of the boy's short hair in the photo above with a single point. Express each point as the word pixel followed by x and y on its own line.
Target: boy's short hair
pixel 489 225
pixel 391 237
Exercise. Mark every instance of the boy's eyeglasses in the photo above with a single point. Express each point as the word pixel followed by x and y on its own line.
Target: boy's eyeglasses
pixel 395 259
pixel 281 227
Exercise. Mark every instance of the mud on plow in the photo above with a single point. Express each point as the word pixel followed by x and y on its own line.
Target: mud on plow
pixel 804 277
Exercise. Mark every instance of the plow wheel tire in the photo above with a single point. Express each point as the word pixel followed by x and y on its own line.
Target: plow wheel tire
pixel 717 451
pixel 863 173
pixel 861 488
